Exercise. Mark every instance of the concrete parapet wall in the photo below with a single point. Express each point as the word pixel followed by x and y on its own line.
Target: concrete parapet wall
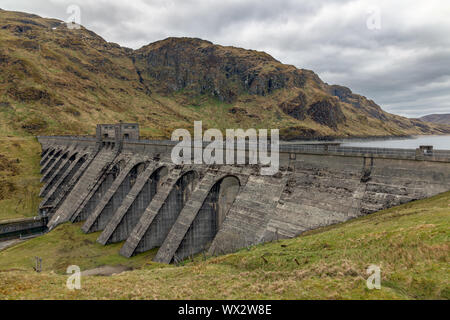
pixel 164 147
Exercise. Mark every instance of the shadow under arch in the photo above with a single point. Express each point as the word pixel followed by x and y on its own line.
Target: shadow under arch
pixel 59 195
pixel 50 152
pixel 139 205
pixel 210 217
pixel 160 227
pixel 44 152
pixel 95 198
pixel 116 199
pixel 50 162
pixel 53 180
pixel 55 168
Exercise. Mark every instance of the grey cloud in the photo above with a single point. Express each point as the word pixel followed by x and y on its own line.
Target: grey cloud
pixel 404 66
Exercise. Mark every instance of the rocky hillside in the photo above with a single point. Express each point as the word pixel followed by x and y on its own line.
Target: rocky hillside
pixel 442 118
pixel 59 80
pixel 55 80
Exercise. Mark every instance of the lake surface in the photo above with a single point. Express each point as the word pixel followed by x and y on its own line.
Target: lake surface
pixel 438 142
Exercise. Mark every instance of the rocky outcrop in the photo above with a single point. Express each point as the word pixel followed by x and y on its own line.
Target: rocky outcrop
pixel 362 103
pixel 200 66
pixel 32 94
pixel 296 107
pixel 66 77
pixel 327 112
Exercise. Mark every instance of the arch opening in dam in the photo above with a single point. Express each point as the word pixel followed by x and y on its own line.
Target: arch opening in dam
pixel 128 215
pixel 55 178
pixel 102 187
pixel 49 153
pixel 162 220
pixel 57 197
pixel 50 162
pixel 99 219
pixel 44 152
pixel 209 218
pixel 48 176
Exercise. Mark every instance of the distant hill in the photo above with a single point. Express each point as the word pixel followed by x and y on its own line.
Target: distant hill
pixel 443 118
pixel 56 80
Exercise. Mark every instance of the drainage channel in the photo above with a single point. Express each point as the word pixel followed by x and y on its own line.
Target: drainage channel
pixel 23 228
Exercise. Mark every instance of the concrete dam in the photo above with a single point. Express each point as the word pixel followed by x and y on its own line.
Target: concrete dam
pixel 130 190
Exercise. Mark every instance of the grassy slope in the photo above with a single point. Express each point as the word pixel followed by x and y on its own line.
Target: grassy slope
pixel 409 242
pixel 68 245
pixel 19 177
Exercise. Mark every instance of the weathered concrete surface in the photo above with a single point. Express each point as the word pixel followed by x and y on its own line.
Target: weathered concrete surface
pixel 45 155
pixel 112 199
pixel 70 157
pixel 59 188
pixel 247 221
pixel 168 202
pixel 53 169
pixel 83 186
pixel 102 185
pixel 132 207
pixel 51 161
pixel 59 192
pixel 120 188
pixel 190 211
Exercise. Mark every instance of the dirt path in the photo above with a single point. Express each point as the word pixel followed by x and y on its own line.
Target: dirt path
pixel 106 270
pixel 9 243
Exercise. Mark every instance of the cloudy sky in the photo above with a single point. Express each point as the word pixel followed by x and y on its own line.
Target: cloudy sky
pixel 396 52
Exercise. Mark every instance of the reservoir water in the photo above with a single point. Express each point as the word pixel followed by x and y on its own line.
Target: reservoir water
pixel 438 142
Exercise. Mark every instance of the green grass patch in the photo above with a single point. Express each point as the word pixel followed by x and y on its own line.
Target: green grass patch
pixel 68 245
pixel 410 243
pixel 21 173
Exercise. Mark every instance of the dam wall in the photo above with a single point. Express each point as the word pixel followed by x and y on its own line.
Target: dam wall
pixel 130 189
